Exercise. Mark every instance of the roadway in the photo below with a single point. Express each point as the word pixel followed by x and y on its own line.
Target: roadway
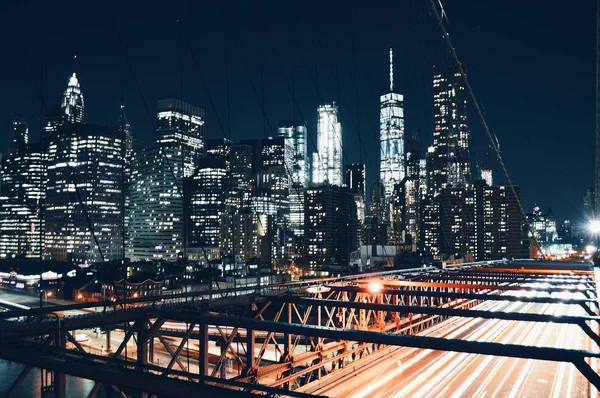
pixel 406 372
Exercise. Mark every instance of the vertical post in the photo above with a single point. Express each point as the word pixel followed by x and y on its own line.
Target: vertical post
pixel 142 345
pixel 108 341
pixel 250 348
pixel 223 368
pixel 203 350
pixel 59 378
pixel 151 349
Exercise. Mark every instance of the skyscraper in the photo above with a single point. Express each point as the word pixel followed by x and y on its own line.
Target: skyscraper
pixel 330 227
pixel 327 161
pixel 355 178
pixel 296 133
pixel 208 203
pixel 83 194
pixel 155 228
pixel 355 181
pixel 72 101
pixel 450 153
pixel 181 126
pixel 391 137
pixel 486 175
pixel 21 191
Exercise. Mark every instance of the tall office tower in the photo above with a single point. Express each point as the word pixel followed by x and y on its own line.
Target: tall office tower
pixel 156 225
pixel 295 132
pixel 19 134
pixel 411 212
pixel 410 193
pixel 391 137
pixel 83 193
pixel 126 132
pixel 21 191
pixel 274 183
pixel 208 196
pixel 486 175
pixel 327 161
pixel 588 204
pixel 543 225
pixel 450 153
pixel 460 228
pixel 503 223
pixel 355 178
pixel 355 182
pixel 181 126
pixel 413 155
pixel 422 178
pixel 72 101
pixel 479 222
pixel 330 228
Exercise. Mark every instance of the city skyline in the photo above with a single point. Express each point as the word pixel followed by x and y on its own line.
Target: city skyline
pixel 516 130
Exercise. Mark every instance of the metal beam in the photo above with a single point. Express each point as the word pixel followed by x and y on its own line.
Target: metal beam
pixel 424 342
pixel 413 309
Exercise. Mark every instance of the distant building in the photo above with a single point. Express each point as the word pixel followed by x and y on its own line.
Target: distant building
pixel 486 175
pixel 295 132
pixel 355 181
pixel 330 227
pixel 327 161
pixel 72 101
pixel 543 225
pixel 588 204
pixel 21 192
pixel 481 222
pixel 449 156
pixel 273 194
pixel 207 208
pixel 391 136
pixel 84 193
pixel 181 126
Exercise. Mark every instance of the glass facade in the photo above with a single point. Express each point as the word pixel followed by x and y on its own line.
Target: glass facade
pixel 181 125
pixel 450 152
pixel 155 228
pixel 391 137
pixel 21 193
pixel 327 161
pixel 84 167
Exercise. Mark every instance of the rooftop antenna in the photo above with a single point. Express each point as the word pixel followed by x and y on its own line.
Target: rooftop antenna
pixel 391 70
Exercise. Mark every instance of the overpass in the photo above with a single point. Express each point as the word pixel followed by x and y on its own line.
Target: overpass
pixel 319 337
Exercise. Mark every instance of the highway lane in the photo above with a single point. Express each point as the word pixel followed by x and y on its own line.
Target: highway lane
pixel 427 373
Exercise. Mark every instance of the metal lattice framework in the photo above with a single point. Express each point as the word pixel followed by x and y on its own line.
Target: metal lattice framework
pixel 292 339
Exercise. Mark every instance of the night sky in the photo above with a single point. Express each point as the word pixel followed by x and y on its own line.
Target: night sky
pixel 531 64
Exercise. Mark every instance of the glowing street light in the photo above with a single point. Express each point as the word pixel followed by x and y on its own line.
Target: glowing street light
pixel 374 287
pixel 594 226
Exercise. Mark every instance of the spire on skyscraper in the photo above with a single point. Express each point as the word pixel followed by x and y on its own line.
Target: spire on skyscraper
pixel 72 102
pixel 391 70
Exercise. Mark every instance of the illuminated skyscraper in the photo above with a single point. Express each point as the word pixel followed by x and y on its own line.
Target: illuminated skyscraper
pixel 449 155
pixel 295 133
pixel 486 174
pixel 208 203
pixel 330 228
pixel 391 137
pixel 84 188
pixel 327 161
pixel 181 126
pixel 155 227
pixel 72 101
pixel 20 194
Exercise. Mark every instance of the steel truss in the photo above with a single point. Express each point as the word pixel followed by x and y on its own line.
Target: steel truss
pixel 285 342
